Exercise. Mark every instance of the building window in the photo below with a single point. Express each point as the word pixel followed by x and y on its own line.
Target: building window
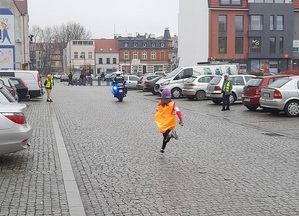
pixel 107 60
pixel 255 45
pixel 239 23
pixel 222 45
pixel 153 55
pixel 271 23
pixel 126 44
pixel 79 42
pixel 126 55
pixel 135 44
pixel 272 44
pixel 153 44
pixel 144 44
pixel 222 23
pixel 162 44
pixel 82 55
pixel 230 2
pixel 239 45
pixel 75 42
pixel 100 61
pixel 280 44
pixel 256 23
pixel 75 55
pixel 114 61
pixel 135 55
pixel 144 55
pixel 89 55
pixel 279 20
pixel 162 55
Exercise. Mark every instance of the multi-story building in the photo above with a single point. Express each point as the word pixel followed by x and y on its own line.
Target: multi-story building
pixel 259 35
pixel 14 43
pixel 48 57
pixel 145 53
pixel 79 55
pixel 106 55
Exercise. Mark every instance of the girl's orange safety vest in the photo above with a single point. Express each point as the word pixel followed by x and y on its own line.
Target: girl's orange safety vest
pixel 165 117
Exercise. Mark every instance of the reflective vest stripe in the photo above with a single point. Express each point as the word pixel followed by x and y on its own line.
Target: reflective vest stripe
pixel 227 86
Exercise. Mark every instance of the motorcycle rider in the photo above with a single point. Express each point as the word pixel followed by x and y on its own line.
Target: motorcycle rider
pixel 119 79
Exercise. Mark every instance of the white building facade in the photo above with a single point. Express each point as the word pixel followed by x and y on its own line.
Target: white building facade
pixel 193 32
pixel 14 32
pixel 79 56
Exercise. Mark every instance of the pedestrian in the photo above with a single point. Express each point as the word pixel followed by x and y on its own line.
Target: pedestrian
pixel 70 76
pixel 102 76
pixel 165 118
pixel 226 92
pixel 49 83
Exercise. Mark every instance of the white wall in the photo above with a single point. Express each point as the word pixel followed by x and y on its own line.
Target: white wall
pixel 193 32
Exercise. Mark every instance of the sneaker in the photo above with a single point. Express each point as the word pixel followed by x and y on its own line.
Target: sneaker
pixel 174 134
pixel 162 150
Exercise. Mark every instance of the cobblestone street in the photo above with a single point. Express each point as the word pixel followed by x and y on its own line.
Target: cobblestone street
pixel 236 162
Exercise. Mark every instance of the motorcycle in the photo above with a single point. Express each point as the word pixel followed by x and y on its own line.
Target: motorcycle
pixel 118 90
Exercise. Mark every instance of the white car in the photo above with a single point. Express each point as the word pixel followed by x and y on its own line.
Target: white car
pixel 15 132
pixel 5 96
pixel 214 88
pixel 196 87
pixel 131 81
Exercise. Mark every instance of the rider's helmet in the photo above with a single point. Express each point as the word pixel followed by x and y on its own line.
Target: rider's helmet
pixel 118 73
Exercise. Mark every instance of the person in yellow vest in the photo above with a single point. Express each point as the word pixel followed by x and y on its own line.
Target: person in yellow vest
pixel 226 92
pixel 165 118
pixel 49 83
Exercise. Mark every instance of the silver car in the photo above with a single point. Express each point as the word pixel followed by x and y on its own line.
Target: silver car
pixel 196 87
pixel 15 132
pixel 5 96
pixel 282 95
pixel 214 89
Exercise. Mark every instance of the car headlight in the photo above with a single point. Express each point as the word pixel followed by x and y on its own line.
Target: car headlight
pixel 165 83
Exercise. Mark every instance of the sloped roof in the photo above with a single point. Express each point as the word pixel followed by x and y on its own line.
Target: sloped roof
pixel 106 46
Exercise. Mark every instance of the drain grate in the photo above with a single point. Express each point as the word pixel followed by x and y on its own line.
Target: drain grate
pixel 272 134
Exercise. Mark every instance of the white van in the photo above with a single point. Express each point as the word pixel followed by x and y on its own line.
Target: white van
pixel 31 78
pixel 175 80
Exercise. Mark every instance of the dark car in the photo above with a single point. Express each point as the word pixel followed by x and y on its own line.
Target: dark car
pixel 149 85
pixel 22 88
pixel 252 89
pixel 144 78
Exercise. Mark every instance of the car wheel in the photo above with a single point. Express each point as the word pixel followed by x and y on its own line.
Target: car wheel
pixel 216 101
pixel 274 111
pixel 154 93
pixel 176 93
pixel 251 107
pixel 232 98
pixel 292 109
pixel 190 98
pixel 200 95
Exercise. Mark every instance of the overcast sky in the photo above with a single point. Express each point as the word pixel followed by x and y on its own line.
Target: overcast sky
pixel 106 17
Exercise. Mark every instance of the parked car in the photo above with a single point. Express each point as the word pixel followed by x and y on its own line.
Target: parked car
pixel 282 95
pixel 15 132
pixel 31 78
pixel 214 88
pixel 10 87
pixel 58 75
pixel 64 78
pixel 131 81
pixel 142 79
pixel 175 80
pixel 149 85
pixel 196 87
pixel 22 88
pixel 252 90
pixel 160 73
pixel 5 96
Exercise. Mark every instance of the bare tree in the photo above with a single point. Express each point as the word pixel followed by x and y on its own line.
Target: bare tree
pixel 58 34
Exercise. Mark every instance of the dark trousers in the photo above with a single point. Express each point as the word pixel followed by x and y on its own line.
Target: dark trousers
pixel 165 139
pixel 225 102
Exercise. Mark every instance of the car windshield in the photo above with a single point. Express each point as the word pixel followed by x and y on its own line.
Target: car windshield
pixel 173 73
pixel 215 80
pixel 254 82
pixel 279 83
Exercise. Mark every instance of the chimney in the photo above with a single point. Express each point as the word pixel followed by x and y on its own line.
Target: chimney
pixel 167 34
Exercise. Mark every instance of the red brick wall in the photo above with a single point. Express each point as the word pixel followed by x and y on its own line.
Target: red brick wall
pixel 213 39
